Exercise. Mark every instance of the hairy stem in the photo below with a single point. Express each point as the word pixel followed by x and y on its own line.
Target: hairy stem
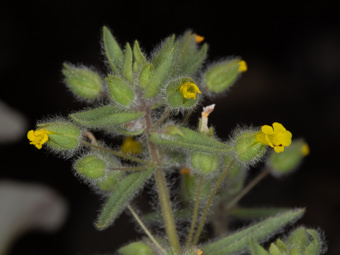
pixel 116 153
pixel 206 209
pixel 162 189
pixel 247 188
pixel 195 213
pixel 145 229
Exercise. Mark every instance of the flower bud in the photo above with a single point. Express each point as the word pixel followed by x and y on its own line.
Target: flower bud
pixel 182 93
pixel 289 160
pixel 246 147
pixel 190 183
pixel 203 162
pixel 62 135
pixel 222 75
pixel 82 81
pixel 90 167
pixel 136 248
pixel 120 91
pixel 109 181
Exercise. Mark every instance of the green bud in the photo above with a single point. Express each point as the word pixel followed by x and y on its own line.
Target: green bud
pixel 91 167
pixel 110 180
pixel 203 162
pixel 82 81
pixel 246 147
pixel 289 159
pixel 222 75
pixel 190 183
pixel 136 248
pixel 63 135
pixel 120 91
pixel 174 96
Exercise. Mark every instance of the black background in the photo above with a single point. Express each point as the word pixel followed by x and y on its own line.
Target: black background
pixel 292 50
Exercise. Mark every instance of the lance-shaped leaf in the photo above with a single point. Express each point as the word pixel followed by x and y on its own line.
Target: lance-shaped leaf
pixel 123 193
pixel 260 231
pixel 140 59
pixel 255 213
pixel 104 116
pixel 127 65
pixel 187 139
pixel 162 65
pixel 113 52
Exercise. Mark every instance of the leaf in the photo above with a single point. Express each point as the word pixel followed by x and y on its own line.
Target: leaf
pixel 256 249
pixel 261 231
pixel 140 59
pixel 104 116
pixel 187 139
pixel 113 51
pixel 190 67
pixel 123 193
pixel 127 65
pixel 120 91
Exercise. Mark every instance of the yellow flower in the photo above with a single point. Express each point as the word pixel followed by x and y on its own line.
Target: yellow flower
pixel 242 66
pixel 38 137
pixel 198 38
pixel 199 252
pixel 276 137
pixel 189 90
pixel 131 146
pixel 305 149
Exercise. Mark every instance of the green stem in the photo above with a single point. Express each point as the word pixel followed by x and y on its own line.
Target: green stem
pixel 186 118
pixel 145 229
pixel 162 118
pixel 195 213
pixel 246 189
pixel 206 209
pixel 116 153
pixel 162 189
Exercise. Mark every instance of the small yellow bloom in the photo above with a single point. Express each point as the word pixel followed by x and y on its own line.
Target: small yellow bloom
pixel 305 149
pixel 131 146
pixel 185 171
pixel 198 38
pixel 276 137
pixel 38 137
pixel 199 252
pixel 242 66
pixel 189 90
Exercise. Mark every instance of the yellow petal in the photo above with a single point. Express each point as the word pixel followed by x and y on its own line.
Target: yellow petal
pixel 267 129
pixel 242 66
pixel 278 127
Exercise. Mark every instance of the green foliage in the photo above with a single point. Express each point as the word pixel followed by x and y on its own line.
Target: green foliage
pixel 145 96
pixel 124 191
pixel 105 116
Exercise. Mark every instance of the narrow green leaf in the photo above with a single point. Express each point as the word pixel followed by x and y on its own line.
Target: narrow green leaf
pixel 140 59
pixel 159 75
pixel 121 196
pixel 256 249
pixel 145 75
pixel 187 139
pixel 127 65
pixel 113 51
pixel 162 54
pixel 104 116
pixel 120 91
pixel 238 241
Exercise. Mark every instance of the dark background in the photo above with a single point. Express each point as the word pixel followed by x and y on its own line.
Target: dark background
pixel 292 50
